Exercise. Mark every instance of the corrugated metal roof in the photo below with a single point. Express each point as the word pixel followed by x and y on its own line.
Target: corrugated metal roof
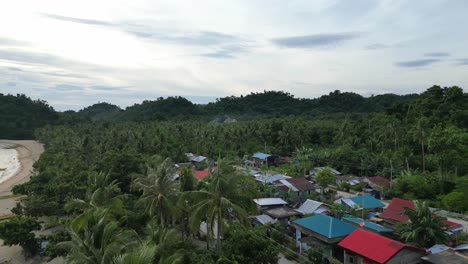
pixel 367 202
pixel 269 201
pixel 260 155
pixel 373 246
pixel 367 225
pixel 271 179
pixel 325 225
pixel 264 219
pixel 200 175
pixel 309 206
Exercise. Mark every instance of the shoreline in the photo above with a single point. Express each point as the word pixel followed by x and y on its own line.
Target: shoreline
pixel 28 152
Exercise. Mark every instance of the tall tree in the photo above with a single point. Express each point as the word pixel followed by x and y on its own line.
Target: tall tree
pixel 224 199
pixel 158 189
pixel 423 228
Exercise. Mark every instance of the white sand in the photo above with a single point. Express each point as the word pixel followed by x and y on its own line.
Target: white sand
pixel 9 163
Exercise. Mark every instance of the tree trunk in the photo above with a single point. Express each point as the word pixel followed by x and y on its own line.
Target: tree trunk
pixel 218 235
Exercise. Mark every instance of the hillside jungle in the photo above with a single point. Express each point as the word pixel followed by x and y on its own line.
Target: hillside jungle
pixel 107 172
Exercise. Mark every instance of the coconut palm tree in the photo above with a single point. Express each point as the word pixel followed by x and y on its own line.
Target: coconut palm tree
pixel 225 198
pixel 98 239
pixel 423 228
pixel 158 189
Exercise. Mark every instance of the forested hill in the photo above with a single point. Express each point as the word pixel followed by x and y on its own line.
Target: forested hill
pixel 255 105
pixel 20 116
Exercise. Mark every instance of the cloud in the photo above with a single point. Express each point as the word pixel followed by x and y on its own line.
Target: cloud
pixel 79 20
pixel 108 88
pixel 225 52
pixel 416 63
pixel 437 54
pixel 462 62
pixel 67 87
pixel 31 57
pixel 325 40
pixel 11 84
pixel 377 46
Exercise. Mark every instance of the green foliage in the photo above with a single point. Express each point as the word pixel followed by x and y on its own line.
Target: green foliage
pixel 325 177
pixel 18 231
pixel 20 116
pixel 249 246
pixel 187 180
pixel 100 112
pixel 53 249
pixel 423 228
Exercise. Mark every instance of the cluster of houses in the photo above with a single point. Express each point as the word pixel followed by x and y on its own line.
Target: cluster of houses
pixel 366 236
pixel 366 239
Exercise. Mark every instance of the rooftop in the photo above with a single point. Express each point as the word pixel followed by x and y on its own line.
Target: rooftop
pixel 269 201
pixel 281 212
pixel 379 180
pixel 264 219
pixel 200 175
pixel 311 206
pixel 373 246
pixel 364 201
pixel 260 155
pixel 326 226
pixel 446 257
pixel 395 210
pixel 271 179
pixel 368 225
pixel 301 184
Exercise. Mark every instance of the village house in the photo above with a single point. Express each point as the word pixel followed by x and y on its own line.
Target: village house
pixel 363 246
pixel 268 203
pixel 260 159
pixel 365 202
pixel 351 180
pixel 267 179
pixel 199 162
pixel 313 207
pixel 301 187
pixel 262 219
pixel 275 208
pixel 449 256
pixel 316 170
pixel 321 231
pixel 377 183
pixel 393 215
pixel 367 225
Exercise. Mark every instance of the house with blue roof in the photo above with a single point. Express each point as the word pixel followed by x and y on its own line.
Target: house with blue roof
pixel 321 231
pixel 366 202
pixel 368 225
pixel 260 159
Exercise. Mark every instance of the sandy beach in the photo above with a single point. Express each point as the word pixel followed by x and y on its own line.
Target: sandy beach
pixel 27 152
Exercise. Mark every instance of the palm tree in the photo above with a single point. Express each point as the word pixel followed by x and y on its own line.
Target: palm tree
pixel 223 199
pixel 159 189
pixel 162 245
pixel 98 239
pixel 423 228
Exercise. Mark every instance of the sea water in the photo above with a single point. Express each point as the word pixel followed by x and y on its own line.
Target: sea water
pixel 9 163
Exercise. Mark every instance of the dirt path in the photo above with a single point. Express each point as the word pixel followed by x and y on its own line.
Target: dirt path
pixel 29 152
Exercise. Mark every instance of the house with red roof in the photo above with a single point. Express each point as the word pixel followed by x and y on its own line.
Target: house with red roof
pixel 393 215
pixel 365 247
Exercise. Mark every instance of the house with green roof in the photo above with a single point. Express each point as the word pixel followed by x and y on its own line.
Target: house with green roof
pixel 367 225
pixel 366 202
pixel 321 231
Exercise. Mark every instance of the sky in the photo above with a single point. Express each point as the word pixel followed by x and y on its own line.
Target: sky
pixel 77 53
